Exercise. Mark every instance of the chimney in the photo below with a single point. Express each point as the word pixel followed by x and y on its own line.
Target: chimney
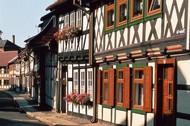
pixel 13 37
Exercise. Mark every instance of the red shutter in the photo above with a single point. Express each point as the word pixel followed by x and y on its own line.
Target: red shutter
pixel 126 89
pixel 111 86
pixel 99 87
pixel 147 89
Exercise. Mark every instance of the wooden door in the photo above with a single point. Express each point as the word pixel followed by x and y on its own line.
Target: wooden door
pixel 165 88
pixel 64 71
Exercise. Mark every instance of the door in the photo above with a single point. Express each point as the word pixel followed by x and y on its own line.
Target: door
pixel 64 71
pixel 165 90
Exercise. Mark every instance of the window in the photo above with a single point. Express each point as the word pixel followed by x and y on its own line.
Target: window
pixel 138 84
pixel 122 12
pixel 79 18
pixel 109 18
pixel 82 81
pixel 120 83
pixel 142 88
pixel 66 21
pixel 137 9
pixel 72 19
pixel 6 82
pixel 90 82
pixel 75 81
pixel 108 87
pixel 153 6
pixel 105 86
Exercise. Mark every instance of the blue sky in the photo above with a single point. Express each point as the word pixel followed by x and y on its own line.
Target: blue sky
pixel 21 18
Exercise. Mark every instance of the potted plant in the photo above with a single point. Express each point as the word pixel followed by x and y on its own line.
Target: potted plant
pixel 78 99
pixel 67 33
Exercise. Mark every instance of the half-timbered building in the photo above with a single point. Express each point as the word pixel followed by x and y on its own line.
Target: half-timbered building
pixel 141 50
pixel 75 74
pixel 41 52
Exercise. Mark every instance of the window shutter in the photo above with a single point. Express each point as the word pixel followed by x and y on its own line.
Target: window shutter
pixel 147 89
pixel 126 90
pixel 111 86
pixel 99 80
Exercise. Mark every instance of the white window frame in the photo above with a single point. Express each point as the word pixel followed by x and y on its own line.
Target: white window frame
pixel 75 80
pixel 66 21
pixel 79 18
pixel 90 82
pixel 82 81
pixel 72 19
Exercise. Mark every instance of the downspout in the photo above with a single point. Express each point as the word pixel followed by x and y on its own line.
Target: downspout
pixel 91 40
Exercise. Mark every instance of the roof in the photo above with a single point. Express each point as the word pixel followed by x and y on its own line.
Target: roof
pixel 5 57
pixel 8 45
pixel 45 36
pixel 55 4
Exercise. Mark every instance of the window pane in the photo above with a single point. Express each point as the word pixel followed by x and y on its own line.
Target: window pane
pixel 138 7
pixel 82 82
pixel 153 5
pixel 75 81
pixel 105 92
pixel 120 93
pixel 120 76
pixel 170 104
pixel 110 18
pixel 105 75
pixel 123 12
pixel 139 74
pixel 90 82
pixel 139 94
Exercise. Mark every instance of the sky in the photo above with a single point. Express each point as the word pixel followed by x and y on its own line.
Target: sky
pixel 21 18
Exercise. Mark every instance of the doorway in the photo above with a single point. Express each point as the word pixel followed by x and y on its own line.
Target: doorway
pixel 64 83
pixel 165 94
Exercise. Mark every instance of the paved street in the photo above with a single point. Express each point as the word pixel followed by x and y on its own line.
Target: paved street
pixel 11 114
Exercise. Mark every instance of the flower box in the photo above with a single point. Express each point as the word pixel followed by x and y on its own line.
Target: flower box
pixel 67 33
pixel 78 99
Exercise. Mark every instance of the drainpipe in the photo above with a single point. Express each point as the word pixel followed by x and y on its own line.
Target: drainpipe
pixel 91 40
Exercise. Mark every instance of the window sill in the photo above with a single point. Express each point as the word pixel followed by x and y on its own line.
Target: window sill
pixel 106 106
pixel 138 111
pixel 120 108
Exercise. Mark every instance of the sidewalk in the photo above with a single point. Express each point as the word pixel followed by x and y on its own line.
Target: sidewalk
pixel 49 117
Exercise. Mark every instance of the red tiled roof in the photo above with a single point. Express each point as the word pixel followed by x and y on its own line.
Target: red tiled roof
pixel 5 57
pixel 56 3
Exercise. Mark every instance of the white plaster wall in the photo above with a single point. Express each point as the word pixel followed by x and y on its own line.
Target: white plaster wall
pixel 129 117
pixel 113 115
pixel 99 24
pixel 183 76
pixel 120 117
pixel 89 110
pixel 138 117
pixel 75 108
pixel 183 102
pixel 150 119
pixel 182 122
pixel 107 40
pixel 82 109
pixel 106 114
pixel 99 107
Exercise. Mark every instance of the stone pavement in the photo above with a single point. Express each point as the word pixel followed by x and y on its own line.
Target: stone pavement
pixel 49 117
